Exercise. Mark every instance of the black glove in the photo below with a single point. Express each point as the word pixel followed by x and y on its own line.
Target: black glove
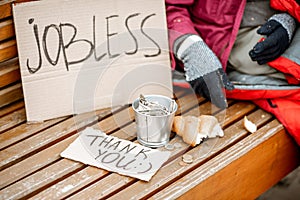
pixel 203 69
pixel 279 31
pixel 211 85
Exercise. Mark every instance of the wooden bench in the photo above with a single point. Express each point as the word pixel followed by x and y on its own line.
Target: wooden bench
pixel 239 165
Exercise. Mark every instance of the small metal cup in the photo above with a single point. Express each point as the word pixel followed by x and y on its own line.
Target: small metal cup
pixel 154 130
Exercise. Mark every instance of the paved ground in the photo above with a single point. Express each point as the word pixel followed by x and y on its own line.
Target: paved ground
pixel 287 189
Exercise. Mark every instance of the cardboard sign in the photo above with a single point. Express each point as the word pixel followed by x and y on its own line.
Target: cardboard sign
pixel 80 55
pixel 93 147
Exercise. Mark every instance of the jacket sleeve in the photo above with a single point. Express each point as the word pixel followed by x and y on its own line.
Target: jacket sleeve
pixel 290 6
pixel 289 62
pixel 179 21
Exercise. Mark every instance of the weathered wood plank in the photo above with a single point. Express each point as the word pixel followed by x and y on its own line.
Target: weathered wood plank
pixel 34 163
pixel 24 131
pixel 47 175
pixel 46 156
pixel 12 119
pixel 260 160
pixel 9 72
pixel 11 94
pixel 187 101
pixel 11 108
pixel 50 155
pixel 6 29
pixel 5 10
pixel 201 153
pixel 45 138
pixel 75 182
pixel 62 189
pixel 8 50
pixel 116 121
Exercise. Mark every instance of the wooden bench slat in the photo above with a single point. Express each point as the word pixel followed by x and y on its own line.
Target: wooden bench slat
pixel 6 29
pixel 24 131
pixel 12 119
pixel 34 162
pixel 11 94
pixel 278 155
pixel 127 132
pixel 41 140
pixel 5 9
pixel 184 103
pixel 61 189
pixel 39 179
pixel 11 108
pixel 9 72
pixel 48 153
pixel 8 50
pixel 115 121
pixel 75 182
pixel 200 153
pixel 78 180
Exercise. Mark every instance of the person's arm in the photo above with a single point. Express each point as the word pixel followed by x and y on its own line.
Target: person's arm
pixel 179 21
pixel 278 32
pixel 291 7
pixel 203 69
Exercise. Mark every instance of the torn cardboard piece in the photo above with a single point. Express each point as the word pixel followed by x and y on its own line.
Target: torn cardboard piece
pixel 95 148
pixel 82 55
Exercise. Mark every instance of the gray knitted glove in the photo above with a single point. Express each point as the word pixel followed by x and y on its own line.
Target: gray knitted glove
pixel 203 69
pixel 279 30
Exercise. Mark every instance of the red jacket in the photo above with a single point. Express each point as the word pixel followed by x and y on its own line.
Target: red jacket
pixel 217 22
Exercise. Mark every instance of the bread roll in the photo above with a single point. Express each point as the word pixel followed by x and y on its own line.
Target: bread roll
pixel 194 129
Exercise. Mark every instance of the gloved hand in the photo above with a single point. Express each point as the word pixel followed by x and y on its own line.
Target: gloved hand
pixel 203 69
pixel 279 30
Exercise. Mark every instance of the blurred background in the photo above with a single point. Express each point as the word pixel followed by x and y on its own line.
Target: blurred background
pixel 286 189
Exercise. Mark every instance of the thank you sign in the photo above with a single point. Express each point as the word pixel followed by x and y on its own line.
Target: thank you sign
pixel 94 147
pixel 80 55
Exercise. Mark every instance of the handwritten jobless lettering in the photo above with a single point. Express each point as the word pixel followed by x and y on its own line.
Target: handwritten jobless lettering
pixel 122 156
pixel 64 45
